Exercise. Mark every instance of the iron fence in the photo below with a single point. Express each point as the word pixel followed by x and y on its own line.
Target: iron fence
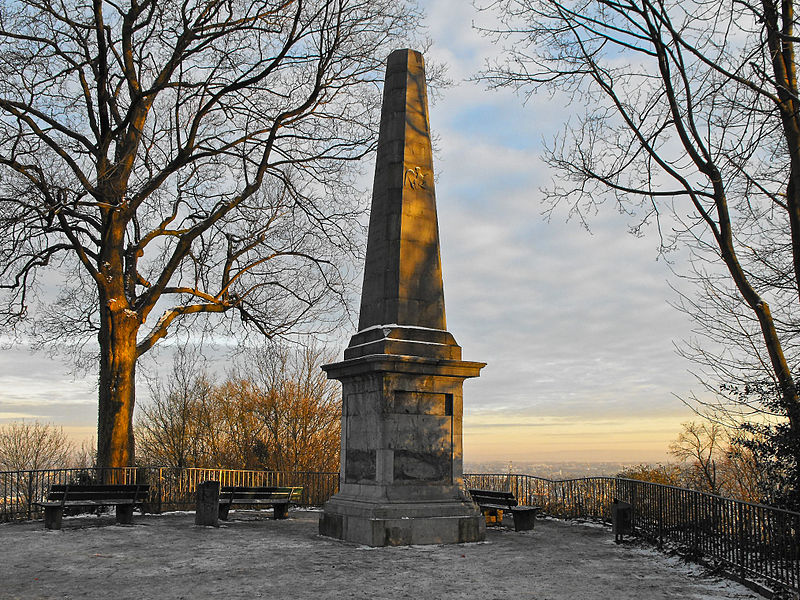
pixel 756 542
pixel 20 490
pixel 170 489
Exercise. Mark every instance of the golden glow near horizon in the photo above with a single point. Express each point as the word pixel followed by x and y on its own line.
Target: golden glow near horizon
pixel 554 439
pixel 529 439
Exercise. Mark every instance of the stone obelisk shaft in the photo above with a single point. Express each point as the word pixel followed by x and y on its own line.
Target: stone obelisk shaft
pixel 402 377
pixel 403 271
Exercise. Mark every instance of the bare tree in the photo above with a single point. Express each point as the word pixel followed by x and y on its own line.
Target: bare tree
pixel 276 410
pixel 741 474
pixel 701 445
pixel 170 426
pixel 234 428
pixel 85 455
pixel 31 446
pixel 691 119
pixel 180 160
pixel 297 407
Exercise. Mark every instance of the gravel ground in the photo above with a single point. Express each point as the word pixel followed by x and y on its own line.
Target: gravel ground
pixel 251 556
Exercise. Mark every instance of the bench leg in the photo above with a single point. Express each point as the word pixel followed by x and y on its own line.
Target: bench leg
pixel 224 507
pixel 125 514
pixel 52 517
pixel 524 520
pixel 280 511
pixel 493 516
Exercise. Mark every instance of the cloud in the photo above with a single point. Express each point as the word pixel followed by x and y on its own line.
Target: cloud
pixel 574 325
pixel 34 386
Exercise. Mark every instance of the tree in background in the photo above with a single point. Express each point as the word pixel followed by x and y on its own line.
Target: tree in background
pixel 85 455
pixel 175 160
pixel 772 446
pixel 276 410
pixel 298 407
pixel 668 474
pixel 26 445
pixel 700 446
pixel 169 427
pixel 714 460
pixel 691 120
pixel 743 473
pixel 234 431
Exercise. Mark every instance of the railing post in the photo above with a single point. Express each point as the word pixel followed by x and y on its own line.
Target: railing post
pixel 29 495
pixel 741 539
pixel 660 517
pixel 160 490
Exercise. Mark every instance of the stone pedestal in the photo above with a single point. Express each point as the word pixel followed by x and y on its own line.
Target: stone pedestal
pixel 401 466
pixel 401 475
pixel 207 509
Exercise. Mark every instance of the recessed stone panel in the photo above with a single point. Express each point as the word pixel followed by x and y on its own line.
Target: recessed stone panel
pixel 413 465
pixel 359 465
pixel 418 403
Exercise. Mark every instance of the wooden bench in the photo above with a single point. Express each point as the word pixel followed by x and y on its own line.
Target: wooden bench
pixel 62 496
pixel 278 497
pixel 492 505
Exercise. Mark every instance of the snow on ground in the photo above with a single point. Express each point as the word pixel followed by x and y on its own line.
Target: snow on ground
pixel 251 556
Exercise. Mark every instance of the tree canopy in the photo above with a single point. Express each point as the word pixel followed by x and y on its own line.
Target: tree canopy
pixel 170 161
pixel 690 120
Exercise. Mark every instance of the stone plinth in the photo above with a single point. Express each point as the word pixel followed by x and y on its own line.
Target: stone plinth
pixel 401 473
pixel 207 504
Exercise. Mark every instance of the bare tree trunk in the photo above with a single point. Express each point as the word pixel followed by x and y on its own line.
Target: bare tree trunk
pixel 119 325
pixel 117 339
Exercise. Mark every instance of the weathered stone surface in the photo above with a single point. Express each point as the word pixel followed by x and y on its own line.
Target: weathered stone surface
pixel 360 465
pixel 207 509
pixel 403 271
pixel 402 377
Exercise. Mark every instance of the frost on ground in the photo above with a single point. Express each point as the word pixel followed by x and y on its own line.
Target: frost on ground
pixel 252 556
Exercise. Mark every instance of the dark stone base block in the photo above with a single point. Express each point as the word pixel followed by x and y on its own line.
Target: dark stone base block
pixel 402 530
pixel 125 514
pixel 52 517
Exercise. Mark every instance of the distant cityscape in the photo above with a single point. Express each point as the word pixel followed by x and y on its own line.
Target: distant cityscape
pixel 548 470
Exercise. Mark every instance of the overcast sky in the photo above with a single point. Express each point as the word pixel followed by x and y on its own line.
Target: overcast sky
pixel 575 326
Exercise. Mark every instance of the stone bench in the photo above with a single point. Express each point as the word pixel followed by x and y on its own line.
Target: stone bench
pixel 492 505
pixel 123 497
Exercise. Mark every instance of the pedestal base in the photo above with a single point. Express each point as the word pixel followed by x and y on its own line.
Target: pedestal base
pixel 402 524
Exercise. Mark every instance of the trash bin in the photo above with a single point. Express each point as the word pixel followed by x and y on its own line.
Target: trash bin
pixel 621 519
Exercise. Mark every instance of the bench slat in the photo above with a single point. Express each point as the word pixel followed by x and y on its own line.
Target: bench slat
pixel 493 499
pixel 89 495
pixel 96 495
pixel 257 501
pixel 102 487
pixel 241 493
pixel 112 501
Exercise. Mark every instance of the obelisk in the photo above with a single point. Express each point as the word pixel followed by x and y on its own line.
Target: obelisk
pixel 402 375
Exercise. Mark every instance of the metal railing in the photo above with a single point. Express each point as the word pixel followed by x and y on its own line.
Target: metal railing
pixel 170 489
pixel 20 490
pixel 756 542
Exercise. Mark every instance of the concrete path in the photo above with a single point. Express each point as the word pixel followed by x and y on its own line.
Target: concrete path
pixel 168 557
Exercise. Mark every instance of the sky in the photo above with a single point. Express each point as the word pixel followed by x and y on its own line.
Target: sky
pixel 574 325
